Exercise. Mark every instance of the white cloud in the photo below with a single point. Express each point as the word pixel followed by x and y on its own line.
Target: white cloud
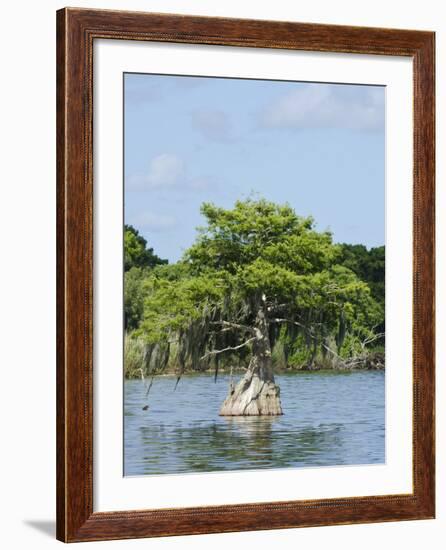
pixel 213 125
pixel 168 173
pixel 327 106
pixel 165 170
pixel 155 223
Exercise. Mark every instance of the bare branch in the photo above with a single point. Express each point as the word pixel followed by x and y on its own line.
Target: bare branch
pixel 150 385
pixel 292 322
pixel 228 325
pixel 371 339
pixel 344 362
pixel 229 348
pixel 333 353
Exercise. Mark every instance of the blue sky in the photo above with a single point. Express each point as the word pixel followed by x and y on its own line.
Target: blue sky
pixel 317 146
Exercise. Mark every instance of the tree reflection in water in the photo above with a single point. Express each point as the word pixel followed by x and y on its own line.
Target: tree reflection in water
pixel 242 443
pixel 330 420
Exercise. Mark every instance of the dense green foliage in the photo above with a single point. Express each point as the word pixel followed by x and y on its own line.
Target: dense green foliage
pixel 324 303
pixel 136 253
pixel 369 265
pixel 138 261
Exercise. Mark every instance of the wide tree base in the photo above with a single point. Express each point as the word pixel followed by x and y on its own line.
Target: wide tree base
pixel 252 396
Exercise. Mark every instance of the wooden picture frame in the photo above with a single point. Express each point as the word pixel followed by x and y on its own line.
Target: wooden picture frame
pixel 76 31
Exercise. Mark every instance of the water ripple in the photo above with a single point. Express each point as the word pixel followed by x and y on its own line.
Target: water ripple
pixel 330 419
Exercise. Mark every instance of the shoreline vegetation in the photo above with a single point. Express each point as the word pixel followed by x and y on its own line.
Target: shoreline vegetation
pixel 374 361
pixel 135 363
pixel 259 292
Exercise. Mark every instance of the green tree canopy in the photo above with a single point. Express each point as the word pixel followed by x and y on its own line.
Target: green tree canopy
pixel 258 260
pixel 369 265
pixel 136 253
pixel 138 260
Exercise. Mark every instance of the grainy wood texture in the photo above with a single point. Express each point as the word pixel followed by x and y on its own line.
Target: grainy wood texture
pixel 76 31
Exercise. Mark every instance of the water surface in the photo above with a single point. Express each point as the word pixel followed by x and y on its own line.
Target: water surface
pixel 330 419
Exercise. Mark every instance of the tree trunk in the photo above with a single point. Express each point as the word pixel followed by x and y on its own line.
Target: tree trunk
pixel 256 394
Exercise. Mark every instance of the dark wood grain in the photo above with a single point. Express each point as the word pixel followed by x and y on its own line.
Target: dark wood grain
pixel 76 31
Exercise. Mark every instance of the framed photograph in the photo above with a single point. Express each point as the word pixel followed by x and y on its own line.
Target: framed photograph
pixel 245 276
